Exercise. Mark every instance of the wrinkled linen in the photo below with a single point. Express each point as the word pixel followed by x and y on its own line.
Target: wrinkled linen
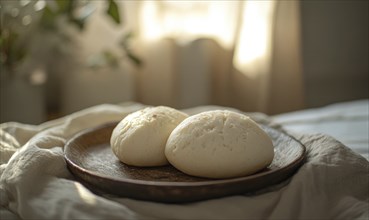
pixel 348 122
pixel 36 184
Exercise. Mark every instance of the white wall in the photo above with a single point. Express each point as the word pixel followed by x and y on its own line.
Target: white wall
pixel 82 86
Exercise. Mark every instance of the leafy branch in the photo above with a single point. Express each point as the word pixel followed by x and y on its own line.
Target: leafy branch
pixel 46 15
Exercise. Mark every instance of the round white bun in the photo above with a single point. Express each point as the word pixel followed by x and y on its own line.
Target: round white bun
pixel 219 144
pixel 140 138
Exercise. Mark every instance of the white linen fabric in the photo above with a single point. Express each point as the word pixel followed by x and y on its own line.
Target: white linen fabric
pixel 348 122
pixel 36 184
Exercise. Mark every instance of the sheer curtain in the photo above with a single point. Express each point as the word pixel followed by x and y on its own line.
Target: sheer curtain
pixel 243 54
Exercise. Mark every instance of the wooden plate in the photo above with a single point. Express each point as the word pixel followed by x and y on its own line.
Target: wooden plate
pixel 90 159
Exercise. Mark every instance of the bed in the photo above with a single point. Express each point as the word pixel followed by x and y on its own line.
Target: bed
pixel 331 184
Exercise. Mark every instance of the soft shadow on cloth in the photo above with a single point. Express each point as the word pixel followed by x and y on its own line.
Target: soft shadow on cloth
pixel 35 182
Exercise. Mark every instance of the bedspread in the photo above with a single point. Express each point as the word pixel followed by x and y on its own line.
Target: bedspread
pixel 35 182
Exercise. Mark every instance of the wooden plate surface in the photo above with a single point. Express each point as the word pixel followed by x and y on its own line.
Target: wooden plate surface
pixel 90 159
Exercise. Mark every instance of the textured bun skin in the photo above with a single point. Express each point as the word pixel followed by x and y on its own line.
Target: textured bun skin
pixel 140 138
pixel 219 144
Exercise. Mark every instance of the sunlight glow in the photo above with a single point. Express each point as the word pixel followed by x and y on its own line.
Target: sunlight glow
pixel 255 34
pixel 151 30
pixel 219 20
pixel 188 20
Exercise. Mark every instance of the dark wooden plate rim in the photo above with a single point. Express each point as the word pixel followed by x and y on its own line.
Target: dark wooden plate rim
pixel 261 173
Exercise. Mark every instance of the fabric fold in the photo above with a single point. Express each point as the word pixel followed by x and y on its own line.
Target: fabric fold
pixel 35 182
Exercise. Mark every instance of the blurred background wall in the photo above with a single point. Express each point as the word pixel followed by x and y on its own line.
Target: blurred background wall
pixel 335 51
pixel 272 57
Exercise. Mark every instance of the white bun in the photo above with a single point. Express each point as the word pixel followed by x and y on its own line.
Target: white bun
pixel 219 144
pixel 140 138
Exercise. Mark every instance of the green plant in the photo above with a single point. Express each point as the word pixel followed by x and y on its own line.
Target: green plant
pixel 20 18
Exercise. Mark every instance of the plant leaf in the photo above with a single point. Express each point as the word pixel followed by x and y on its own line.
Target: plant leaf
pixel 137 61
pixel 113 11
pixel 124 42
pixel 80 23
pixel 63 5
pixel 48 18
pixel 110 58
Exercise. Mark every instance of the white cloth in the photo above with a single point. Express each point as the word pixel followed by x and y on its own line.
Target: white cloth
pixel 35 183
pixel 348 122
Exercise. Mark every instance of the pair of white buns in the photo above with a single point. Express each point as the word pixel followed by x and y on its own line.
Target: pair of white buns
pixel 213 144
